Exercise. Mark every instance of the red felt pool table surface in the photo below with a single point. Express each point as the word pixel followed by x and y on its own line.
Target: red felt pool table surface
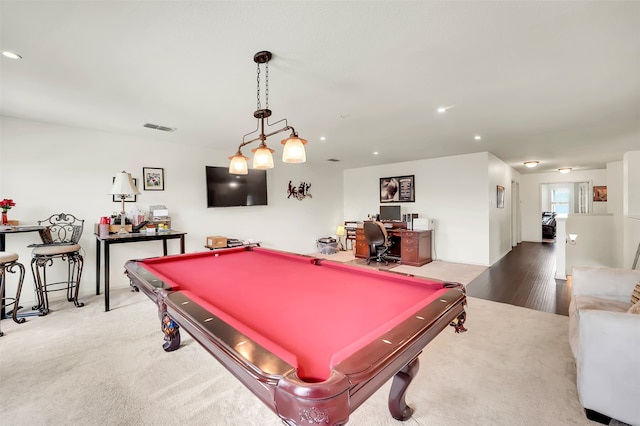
pixel 312 316
pixel 312 338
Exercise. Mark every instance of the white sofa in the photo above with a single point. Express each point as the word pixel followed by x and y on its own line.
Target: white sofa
pixel 605 340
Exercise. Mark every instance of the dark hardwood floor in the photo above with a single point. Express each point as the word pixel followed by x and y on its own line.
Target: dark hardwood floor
pixel 525 277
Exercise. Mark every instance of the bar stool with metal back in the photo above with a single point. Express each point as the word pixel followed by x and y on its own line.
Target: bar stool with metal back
pixel 59 241
pixel 9 263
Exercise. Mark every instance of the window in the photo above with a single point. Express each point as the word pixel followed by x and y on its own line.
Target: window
pixel 560 200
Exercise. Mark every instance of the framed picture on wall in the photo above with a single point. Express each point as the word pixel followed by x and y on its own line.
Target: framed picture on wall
pixel 127 198
pixel 599 193
pixel 500 197
pixel 398 189
pixel 153 178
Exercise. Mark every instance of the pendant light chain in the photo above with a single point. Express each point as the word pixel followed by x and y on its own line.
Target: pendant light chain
pixel 266 87
pixel 258 91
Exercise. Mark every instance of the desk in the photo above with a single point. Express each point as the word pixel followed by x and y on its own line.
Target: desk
pixel 128 238
pixel 16 230
pixel 277 321
pixel 412 247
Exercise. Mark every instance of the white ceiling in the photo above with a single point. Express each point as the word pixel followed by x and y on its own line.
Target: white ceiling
pixel 553 81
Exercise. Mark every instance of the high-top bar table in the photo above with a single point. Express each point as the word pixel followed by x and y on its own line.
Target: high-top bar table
pixel 128 238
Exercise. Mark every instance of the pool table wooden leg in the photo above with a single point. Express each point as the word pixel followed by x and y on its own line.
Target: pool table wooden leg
pixel 171 333
pixel 397 405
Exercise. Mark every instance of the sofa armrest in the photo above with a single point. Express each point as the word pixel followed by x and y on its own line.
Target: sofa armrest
pixel 607 362
pixel 606 282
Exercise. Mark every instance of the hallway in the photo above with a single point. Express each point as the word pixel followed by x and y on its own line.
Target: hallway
pixel 525 277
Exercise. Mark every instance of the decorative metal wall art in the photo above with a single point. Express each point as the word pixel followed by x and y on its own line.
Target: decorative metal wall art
pixel 299 192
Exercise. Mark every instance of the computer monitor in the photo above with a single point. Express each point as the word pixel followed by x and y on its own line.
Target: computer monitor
pixel 391 213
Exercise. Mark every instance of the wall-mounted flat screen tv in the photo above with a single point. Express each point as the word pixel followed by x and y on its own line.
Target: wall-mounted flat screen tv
pixel 227 190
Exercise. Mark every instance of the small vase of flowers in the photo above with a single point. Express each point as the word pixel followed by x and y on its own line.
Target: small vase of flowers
pixel 6 205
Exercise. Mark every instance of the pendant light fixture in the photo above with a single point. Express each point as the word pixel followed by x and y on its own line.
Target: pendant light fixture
pixel 293 151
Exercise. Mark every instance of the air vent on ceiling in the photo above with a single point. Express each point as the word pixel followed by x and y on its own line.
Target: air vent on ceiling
pixel 158 127
pixel 335 160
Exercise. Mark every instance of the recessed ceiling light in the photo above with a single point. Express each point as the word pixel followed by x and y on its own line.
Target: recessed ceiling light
pixel 375 152
pixel 565 170
pixel 531 164
pixel 477 137
pixel 11 55
pixel 322 138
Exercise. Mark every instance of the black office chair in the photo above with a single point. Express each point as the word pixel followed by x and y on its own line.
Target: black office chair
pixel 378 240
pixel 59 241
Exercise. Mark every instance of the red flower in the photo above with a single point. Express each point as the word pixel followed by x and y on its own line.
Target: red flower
pixel 6 204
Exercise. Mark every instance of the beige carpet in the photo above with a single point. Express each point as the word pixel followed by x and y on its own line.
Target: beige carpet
pixel 445 271
pixel 84 366
pixel 439 270
pixel 341 256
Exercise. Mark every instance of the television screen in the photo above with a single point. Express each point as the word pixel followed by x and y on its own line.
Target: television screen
pixel 390 213
pixel 227 190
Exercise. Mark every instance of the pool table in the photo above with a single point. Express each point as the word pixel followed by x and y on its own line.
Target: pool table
pixel 311 338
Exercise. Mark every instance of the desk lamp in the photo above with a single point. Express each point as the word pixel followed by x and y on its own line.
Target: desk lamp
pixel 340 232
pixel 123 186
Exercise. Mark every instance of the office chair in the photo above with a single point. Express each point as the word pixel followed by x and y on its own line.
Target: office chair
pixel 378 240
pixel 59 241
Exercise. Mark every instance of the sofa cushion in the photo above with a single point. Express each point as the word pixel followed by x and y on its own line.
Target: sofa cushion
pixel 600 304
pixel 581 302
pixel 635 309
pixel 635 296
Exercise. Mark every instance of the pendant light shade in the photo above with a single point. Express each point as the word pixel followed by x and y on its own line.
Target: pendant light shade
pixel 294 150
pixel 262 157
pixel 238 164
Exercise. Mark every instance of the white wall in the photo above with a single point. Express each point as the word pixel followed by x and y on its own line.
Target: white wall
pixel 614 207
pixel 594 245
pixel 631 207
pixel 459 192
pixel 50 169
pixel 631 181
pixel 530 190
pixel 499 218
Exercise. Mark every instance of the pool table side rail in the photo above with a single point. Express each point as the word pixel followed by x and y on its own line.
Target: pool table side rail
pixel 143 279
pixel 408 342
pixel 202 320
pixel 258 369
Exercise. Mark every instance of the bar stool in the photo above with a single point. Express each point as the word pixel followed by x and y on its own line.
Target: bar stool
pixel 59 241
pixel 9 263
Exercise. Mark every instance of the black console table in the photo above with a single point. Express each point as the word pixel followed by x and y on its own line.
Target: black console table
pixel 128 238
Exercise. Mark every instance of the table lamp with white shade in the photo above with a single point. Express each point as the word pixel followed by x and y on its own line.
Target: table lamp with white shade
pixel 340 232
pixel 123 186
